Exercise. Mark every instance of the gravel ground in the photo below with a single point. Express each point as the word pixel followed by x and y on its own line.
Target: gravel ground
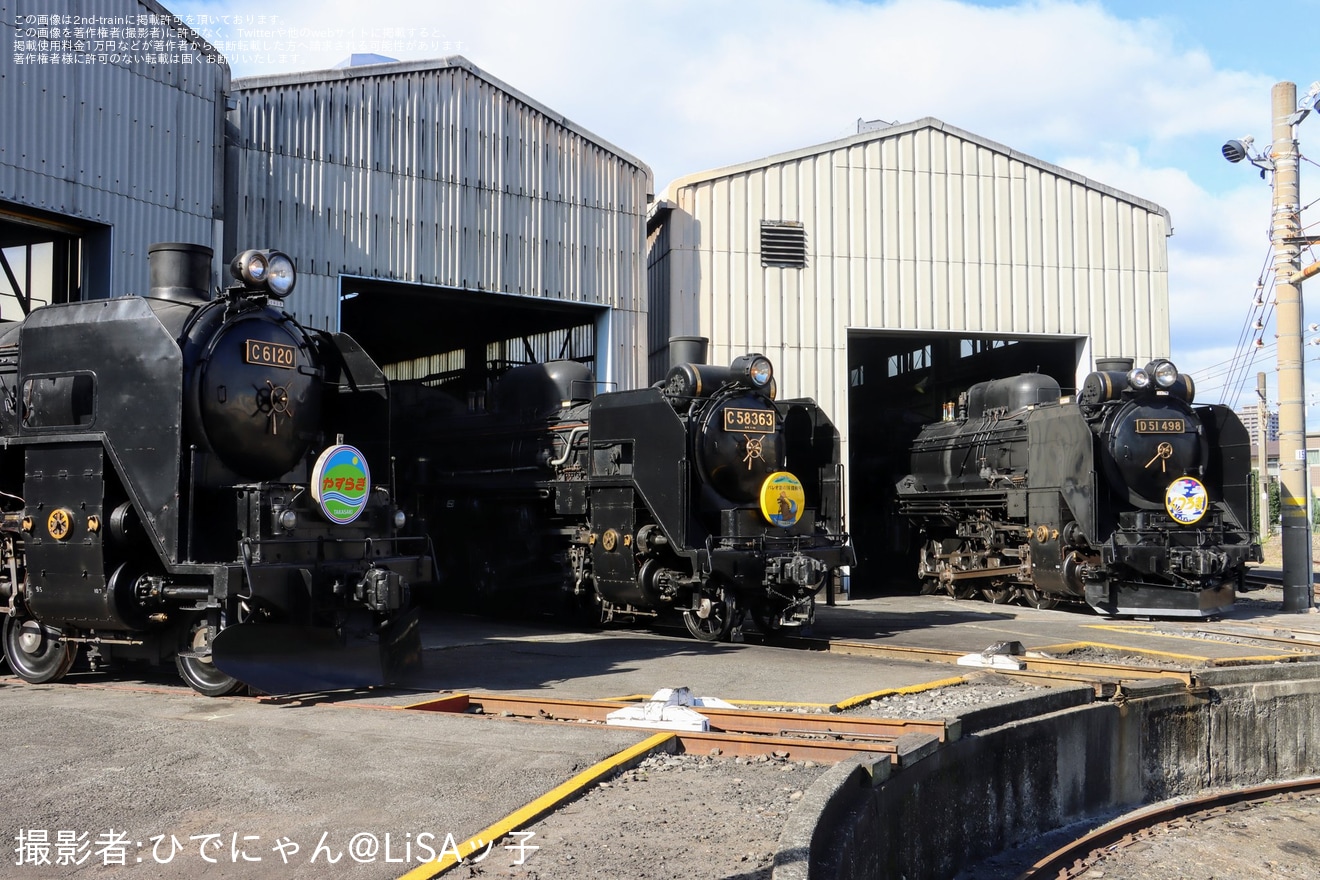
pixel 674 816
pixel 689 816
pixel 1261 841
pixel 949 702
pixel 1273 839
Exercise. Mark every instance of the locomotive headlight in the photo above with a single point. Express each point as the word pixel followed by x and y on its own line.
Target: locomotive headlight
pixel 1138 379
pixel 1165 374
pixel 752 369
pixel 280 276
pixel 250 267
pixel 288 520
pixel 269 269
pixel 400 519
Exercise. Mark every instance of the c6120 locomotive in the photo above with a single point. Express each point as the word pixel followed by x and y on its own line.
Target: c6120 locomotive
pixel 703 495
pixel 1126 497
pixel 174 487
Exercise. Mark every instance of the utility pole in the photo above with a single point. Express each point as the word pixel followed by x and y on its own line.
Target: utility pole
pixel 1262 459
pixel 1286 237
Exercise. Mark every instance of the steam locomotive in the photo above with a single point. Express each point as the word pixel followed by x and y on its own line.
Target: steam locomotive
pixel 176 484
pixel 702 495
pixel 1127 497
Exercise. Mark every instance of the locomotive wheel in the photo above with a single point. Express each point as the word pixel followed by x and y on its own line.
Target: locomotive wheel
pixel 960 589
pixel 1036 599
pixel 199 672
pixel 999 594
pixel 712 619
pixel 36 652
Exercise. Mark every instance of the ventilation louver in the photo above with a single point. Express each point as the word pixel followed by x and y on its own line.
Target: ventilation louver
pixel 783 244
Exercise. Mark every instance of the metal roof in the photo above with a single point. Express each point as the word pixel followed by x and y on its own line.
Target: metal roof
pixel 454 61
pixel 664 197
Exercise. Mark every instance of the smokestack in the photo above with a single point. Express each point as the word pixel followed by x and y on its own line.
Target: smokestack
pixel 180 272
pixel 687 350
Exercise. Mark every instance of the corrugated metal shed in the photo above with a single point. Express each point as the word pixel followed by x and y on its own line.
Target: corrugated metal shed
pixel 920 226
pixel 122 145
pixel 436 173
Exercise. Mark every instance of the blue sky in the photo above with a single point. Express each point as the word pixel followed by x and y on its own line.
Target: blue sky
pixel 1136 95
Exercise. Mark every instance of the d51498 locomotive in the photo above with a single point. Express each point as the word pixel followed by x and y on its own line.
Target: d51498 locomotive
pixel 176 485
pixel 1127 497
pixel 702 495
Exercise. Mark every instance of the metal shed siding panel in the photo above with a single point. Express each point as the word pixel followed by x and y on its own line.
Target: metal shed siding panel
pixel 919 228
pixel 439 176
pixel 136 147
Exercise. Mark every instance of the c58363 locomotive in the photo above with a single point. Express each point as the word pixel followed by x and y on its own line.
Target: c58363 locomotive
pixel 1127 497
pixel 175 488
pixel 702 495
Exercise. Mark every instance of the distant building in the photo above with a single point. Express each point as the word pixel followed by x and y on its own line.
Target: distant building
pixel 1248 417
pixel 98 160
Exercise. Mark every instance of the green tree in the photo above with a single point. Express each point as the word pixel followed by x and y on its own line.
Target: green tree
pixel 1275 509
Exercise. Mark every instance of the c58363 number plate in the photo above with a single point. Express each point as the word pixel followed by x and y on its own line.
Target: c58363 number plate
pixel 270 354
pixel 750 421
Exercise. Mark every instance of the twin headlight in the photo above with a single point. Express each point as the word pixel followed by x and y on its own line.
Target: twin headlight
pixel 1163 373
pixel 266 269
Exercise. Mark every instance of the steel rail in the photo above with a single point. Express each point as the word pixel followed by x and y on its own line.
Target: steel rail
pixel 735 731
pixel 1081 670
pixel 1071 861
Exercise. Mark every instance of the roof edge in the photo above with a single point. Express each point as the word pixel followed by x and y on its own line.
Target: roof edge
pixel 925 122
pixel 195 39
pixel 337 74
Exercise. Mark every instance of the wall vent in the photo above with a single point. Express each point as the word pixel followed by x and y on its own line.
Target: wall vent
pixel 783 244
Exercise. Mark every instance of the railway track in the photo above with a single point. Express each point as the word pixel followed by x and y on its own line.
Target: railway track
pixel 1263 577
pixel 1079 857
pixel 1106 675
pixel 736 732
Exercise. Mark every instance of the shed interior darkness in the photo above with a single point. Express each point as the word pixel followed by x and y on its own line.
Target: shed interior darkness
pixel 898 382
pixel 460 340
pixel 47 258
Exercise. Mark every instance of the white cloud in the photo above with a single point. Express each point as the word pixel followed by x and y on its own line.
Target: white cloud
pixel 687 86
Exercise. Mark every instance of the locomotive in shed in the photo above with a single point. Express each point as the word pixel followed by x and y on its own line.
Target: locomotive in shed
pixel 1126 497
pixel 175 486
pixel 702 495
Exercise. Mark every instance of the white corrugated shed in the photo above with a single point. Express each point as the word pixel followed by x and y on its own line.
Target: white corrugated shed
pixel 436 173
pixel 125 148
pixel 920 226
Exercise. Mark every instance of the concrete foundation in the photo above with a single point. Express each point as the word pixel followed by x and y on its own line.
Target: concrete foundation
pixel 1074 760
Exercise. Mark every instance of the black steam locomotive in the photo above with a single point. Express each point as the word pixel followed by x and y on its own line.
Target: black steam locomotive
pixel 175 486
pixel 703 495
pixel 1127 498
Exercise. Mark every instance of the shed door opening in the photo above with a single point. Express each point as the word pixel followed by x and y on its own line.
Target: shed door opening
pixel 898 382
pixel 460 341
